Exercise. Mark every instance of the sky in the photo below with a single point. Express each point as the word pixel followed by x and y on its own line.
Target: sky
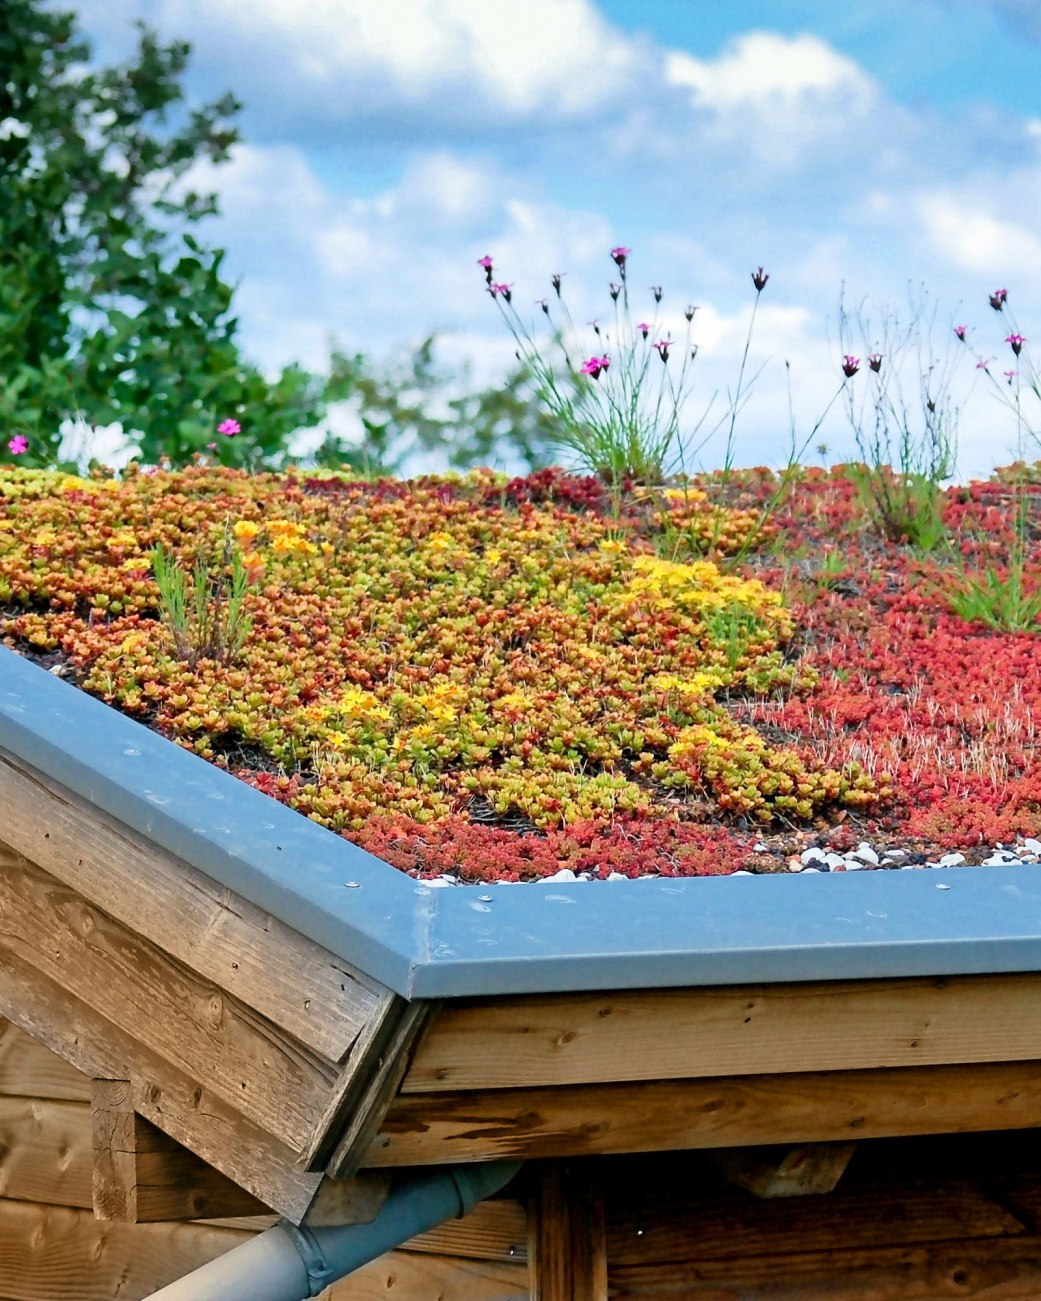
pixel 868 153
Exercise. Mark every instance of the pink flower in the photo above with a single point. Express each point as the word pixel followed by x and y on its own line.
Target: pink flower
pixel 961 331
pixel 594 366
pixel 663 346
pixel 759 279
pixel 1016 341
pixel 981 365
pixel 500 291
pixel 644 329
pixel 850 366
pixel 18 445
pixel 620 254
pixel 875 362
pixel 229 428
pixel 1010 375
pixel 486 263
pixel 998 299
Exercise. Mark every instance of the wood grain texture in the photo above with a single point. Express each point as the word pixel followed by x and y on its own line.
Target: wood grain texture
pixel 49 1253
pixel 180 1104
pixel 261 1071
pixel 140 1175
pixel 370 1104
pixel 45 1151
pixel 299 986
pixel 404 1276
pixel 29 1070
pixel 810 1170
pixel 734 1112
pixel 493 1230
pixel 648 1224
pixel 567 1244
pixel 988 1270
pixel 697 1033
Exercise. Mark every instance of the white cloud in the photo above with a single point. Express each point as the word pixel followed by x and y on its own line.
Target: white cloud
pixel 972 237
pixel 767 71
pixel 407 64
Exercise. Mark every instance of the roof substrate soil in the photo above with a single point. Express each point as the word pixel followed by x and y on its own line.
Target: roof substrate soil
pixel 501 679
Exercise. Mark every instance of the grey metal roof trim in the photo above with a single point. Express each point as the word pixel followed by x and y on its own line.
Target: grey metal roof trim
pixel 464 940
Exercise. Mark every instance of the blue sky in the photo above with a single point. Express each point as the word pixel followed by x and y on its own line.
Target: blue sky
pixel 871 145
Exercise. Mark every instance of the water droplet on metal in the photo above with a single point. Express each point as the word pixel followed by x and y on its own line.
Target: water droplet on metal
pixel 130 750
pixel 352 885
pixel 943 887
pixel 485 898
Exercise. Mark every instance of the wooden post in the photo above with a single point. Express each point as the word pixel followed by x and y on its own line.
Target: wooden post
pixel 141 1175
pixel 567 1244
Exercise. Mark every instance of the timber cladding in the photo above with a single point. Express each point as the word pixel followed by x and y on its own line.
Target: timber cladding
pixel 238 1037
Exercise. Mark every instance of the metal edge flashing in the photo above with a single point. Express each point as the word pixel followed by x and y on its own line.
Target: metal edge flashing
pixel 354 904
pixel 427 942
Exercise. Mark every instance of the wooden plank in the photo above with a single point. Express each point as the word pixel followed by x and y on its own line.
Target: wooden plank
pixel 650 1222
pixel 494 1230
pixel 299 986
pixel 180 1104
pixel 29 1070
pixel 49 1252
pixel 45 1151
pixel 567 1246
pixel 262 1072
pixel 404 1276
pixel 748 1030
pixel 987 1270
pixel 370 1107
pixel 809 1170
pixel 140 1175
pixel 737 1112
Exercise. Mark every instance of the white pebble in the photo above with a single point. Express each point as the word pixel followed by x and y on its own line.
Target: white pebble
pixel 1032 846
pixel 813 856
pixel 951 860
pixel 1001 859
pixel 565 874
pixel 835 860
pixel 617 876
pixel 866 853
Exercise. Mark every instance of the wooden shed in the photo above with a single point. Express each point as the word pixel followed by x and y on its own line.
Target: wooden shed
pixel 219 1015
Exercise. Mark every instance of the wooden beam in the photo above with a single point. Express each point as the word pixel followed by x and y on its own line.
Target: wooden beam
pixel 179 1104
pixel 261 1071
pixel 564 1040
pixel 738 1111
pixel 567 1246
pixel 140 1175
pixel 805 1171
pixel 370 1106
pixel 299 986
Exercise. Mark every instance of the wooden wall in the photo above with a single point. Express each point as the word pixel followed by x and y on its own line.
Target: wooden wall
pixel 911 1220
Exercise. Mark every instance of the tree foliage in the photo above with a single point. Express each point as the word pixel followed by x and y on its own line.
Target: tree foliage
pixel 113 309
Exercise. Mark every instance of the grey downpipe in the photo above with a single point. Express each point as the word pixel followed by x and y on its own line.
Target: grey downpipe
pixel 288 1263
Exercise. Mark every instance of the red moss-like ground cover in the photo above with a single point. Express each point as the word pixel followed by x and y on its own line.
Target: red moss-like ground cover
pixel 501 679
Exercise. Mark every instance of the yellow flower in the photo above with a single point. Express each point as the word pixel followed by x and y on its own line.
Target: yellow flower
pixel 245 530
pixel 612 547
pixel 493 555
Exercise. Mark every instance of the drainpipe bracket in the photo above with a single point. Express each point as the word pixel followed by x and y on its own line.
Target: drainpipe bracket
pixel 319 1272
